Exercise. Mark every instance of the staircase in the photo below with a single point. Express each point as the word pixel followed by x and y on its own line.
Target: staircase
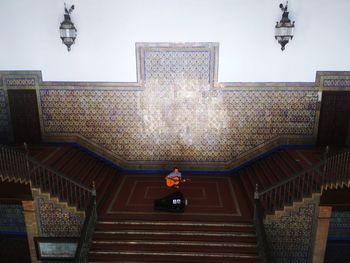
pixel 168 238
pixel 79 165
pixel 277 167
pixel 173 241
pixel 144 240
pixel 17 166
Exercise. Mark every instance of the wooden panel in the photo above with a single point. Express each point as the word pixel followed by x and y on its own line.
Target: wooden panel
pixel 334 118
pixel 24 116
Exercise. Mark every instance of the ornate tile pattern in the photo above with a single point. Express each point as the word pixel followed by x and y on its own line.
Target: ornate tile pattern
pixel 11 218
pixel 169 66
pixel 4 118
pixel 184 122
pixel 338 83
pixel 290 238
pixel 179 115
pixel 20 82
pixel 339 225
pixel 55 221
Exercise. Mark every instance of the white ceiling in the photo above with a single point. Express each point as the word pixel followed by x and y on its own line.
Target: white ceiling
pixel 108 30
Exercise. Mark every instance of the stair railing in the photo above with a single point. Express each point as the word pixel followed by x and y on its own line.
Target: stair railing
pixel 18 166
pixel 332 171
pixel 262 244
pixel 87 231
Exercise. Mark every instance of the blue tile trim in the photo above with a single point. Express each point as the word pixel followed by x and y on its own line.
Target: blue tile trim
pixel 330 238
pixel 13 233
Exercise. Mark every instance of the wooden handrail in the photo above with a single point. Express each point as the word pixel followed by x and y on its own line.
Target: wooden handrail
pixel 333 169
pixel 16 165
pixel 258 219
pixel 87 232
pixel 293 177
pixel 307 181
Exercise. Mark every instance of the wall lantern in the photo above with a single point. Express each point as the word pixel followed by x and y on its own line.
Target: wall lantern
pixel 68 32
pixel 284 29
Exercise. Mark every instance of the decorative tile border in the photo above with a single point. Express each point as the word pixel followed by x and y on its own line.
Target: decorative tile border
pixel 339 83
pixel 20 79
pixel 333 80
pixel 168 61
pixel 20 82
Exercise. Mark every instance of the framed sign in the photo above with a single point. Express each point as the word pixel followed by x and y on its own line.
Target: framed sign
pixel 56 248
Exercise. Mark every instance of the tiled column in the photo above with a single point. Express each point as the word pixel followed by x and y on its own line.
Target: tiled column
pixel 324 215
pixel 31 226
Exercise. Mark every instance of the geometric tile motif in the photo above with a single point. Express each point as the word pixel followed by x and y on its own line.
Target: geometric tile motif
pixel 171 65
pixel 336 83
pixel 290 237
pixel 259 116
pixel 12 219
pixel 178 122
pixel 339 225
pixel 178 115
pixel 4 118
pixel 54 221
pixel 20 82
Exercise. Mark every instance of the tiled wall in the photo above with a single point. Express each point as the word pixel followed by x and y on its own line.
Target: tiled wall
pixel 177 112
pixel 4 117
pixel 339 225
pixel 54 221
pixel 11 219
pixel 290 238
pixel 156 125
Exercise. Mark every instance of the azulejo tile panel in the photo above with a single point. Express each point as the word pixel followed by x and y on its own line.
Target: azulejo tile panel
pixel 290 238
pixel 161 124
pixel 54 221
pixel 339 226
pixel 336 83
pixel 20 82
pixel 12 219
pixel 169 66
pixel 179 115
pixel 4 121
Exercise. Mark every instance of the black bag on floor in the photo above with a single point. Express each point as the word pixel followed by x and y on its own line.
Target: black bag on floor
pixel 174 202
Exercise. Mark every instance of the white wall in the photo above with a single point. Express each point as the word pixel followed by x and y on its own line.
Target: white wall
pixel 108 30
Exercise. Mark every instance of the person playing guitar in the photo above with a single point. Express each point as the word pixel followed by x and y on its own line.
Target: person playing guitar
pixel 174 179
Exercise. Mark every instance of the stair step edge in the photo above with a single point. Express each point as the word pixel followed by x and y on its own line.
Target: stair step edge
pixel 178 233
pixel 178 243
pixel 176 223
pixel 180 254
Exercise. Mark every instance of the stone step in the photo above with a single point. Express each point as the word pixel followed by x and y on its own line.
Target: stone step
pixel 178 246
pixel 170 256
pixel 174 225
pixel 174 235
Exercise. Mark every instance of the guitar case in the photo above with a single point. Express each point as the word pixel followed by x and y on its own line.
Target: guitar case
pixel 174 202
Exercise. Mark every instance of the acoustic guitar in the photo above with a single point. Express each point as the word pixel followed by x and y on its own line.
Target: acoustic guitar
pixel 174 181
